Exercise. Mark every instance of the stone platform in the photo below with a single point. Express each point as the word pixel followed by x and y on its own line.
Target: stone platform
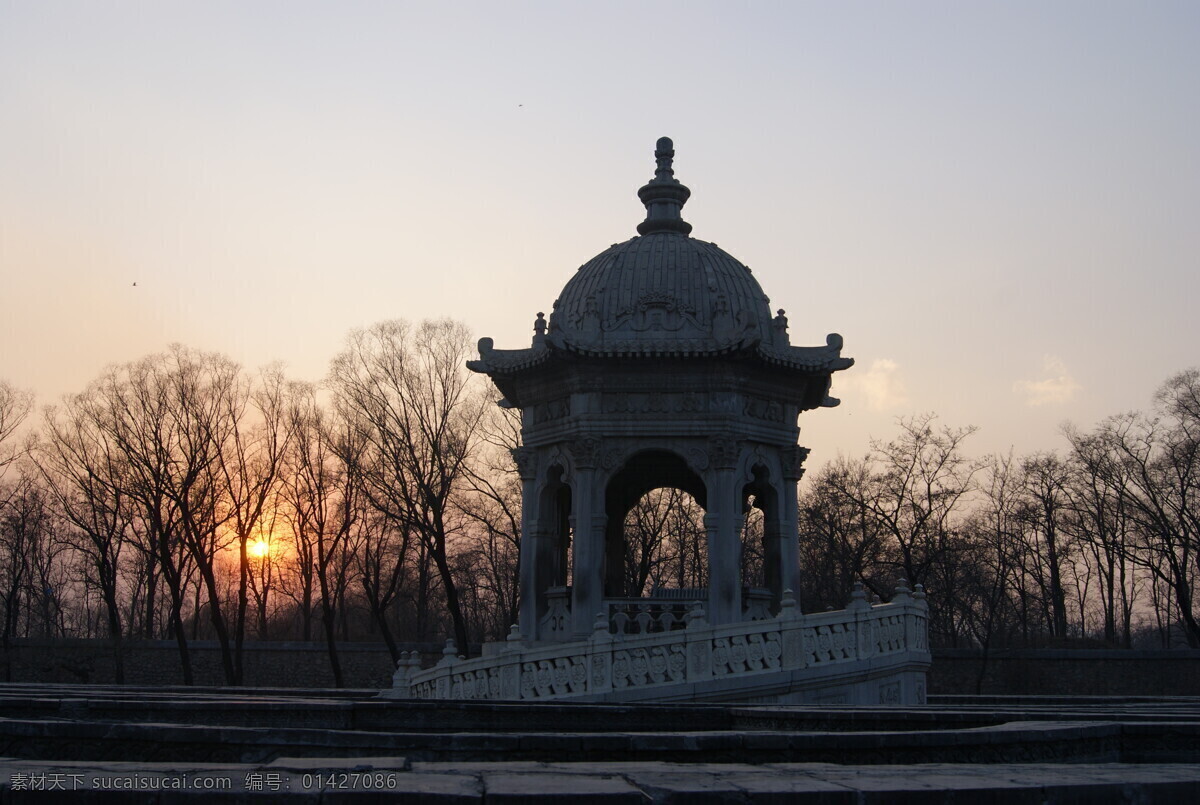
pixel 218 745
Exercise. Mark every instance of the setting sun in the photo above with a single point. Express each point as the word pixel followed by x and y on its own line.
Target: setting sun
pixel 259 548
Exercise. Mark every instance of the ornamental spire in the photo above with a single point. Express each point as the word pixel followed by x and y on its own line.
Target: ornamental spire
pixel 664 196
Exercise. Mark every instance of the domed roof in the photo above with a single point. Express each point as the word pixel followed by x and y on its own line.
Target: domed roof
pixel 662 292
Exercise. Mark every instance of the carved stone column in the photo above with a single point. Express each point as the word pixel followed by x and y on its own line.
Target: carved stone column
pixel 532 535
pixel 587 573
pixel 538 563
pixel 792 460
pixel 775 548
pixel 724 538
pixel 587 592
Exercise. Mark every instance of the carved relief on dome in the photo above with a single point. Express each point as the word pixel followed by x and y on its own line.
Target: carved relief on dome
pixel 587 321
pixel 727 326
pixel 656 310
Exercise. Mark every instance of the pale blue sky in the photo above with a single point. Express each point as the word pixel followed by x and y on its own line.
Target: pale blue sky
pixel 997 204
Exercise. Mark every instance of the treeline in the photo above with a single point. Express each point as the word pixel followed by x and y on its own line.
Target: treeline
pixel 181 497
pixel 1099 543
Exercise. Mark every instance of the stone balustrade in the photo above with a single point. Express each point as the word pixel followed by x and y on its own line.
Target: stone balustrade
pixel 632 616
pixel 665 610
pixel 884 644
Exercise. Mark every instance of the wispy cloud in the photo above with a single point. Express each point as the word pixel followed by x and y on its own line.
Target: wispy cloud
pixel 1055 387
pixel 879 386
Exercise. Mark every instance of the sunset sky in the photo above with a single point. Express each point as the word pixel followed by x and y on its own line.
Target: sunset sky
pixel 996 204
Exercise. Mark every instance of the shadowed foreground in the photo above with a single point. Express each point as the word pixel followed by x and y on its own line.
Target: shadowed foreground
pixel 108 744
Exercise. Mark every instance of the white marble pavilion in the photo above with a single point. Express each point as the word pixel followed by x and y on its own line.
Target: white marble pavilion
pixel 661 365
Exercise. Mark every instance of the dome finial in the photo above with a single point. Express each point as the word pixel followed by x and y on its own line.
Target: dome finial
pixel 664 196
pixel 664 154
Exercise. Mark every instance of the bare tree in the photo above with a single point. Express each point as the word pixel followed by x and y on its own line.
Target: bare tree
pixel 407 391
pixel 19 524
pixel 919 481
pixel 492 508
pixel 382 565
pixel 167 416
pixel 131 411
pixel 266 564
pixel 15 406
pixel 1045 478
pixel 322 494
pixel 646 532
pixel 1159 477
pixel 993 530
pixel 203 391
pixel 246 470
pixel 840 537
pixel 86 475
pixel 1098 498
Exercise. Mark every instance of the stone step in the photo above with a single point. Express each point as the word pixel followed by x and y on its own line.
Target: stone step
pixel 150 742
pixel 395 780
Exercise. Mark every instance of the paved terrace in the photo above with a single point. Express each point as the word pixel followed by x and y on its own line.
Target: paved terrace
pixel 334 746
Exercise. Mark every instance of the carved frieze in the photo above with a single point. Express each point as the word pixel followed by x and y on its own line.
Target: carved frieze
pixel 552 410
pixel 766 410
pixel 591 383
pixel 654 403
pixel 722 402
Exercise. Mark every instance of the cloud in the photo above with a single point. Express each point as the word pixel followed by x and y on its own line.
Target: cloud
pixel 1055 388
pixel 879 386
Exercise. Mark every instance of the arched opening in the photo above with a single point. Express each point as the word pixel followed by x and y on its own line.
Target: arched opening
pixel 654 492
pixel 762 559
pixel 752 545
pixel 666 544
